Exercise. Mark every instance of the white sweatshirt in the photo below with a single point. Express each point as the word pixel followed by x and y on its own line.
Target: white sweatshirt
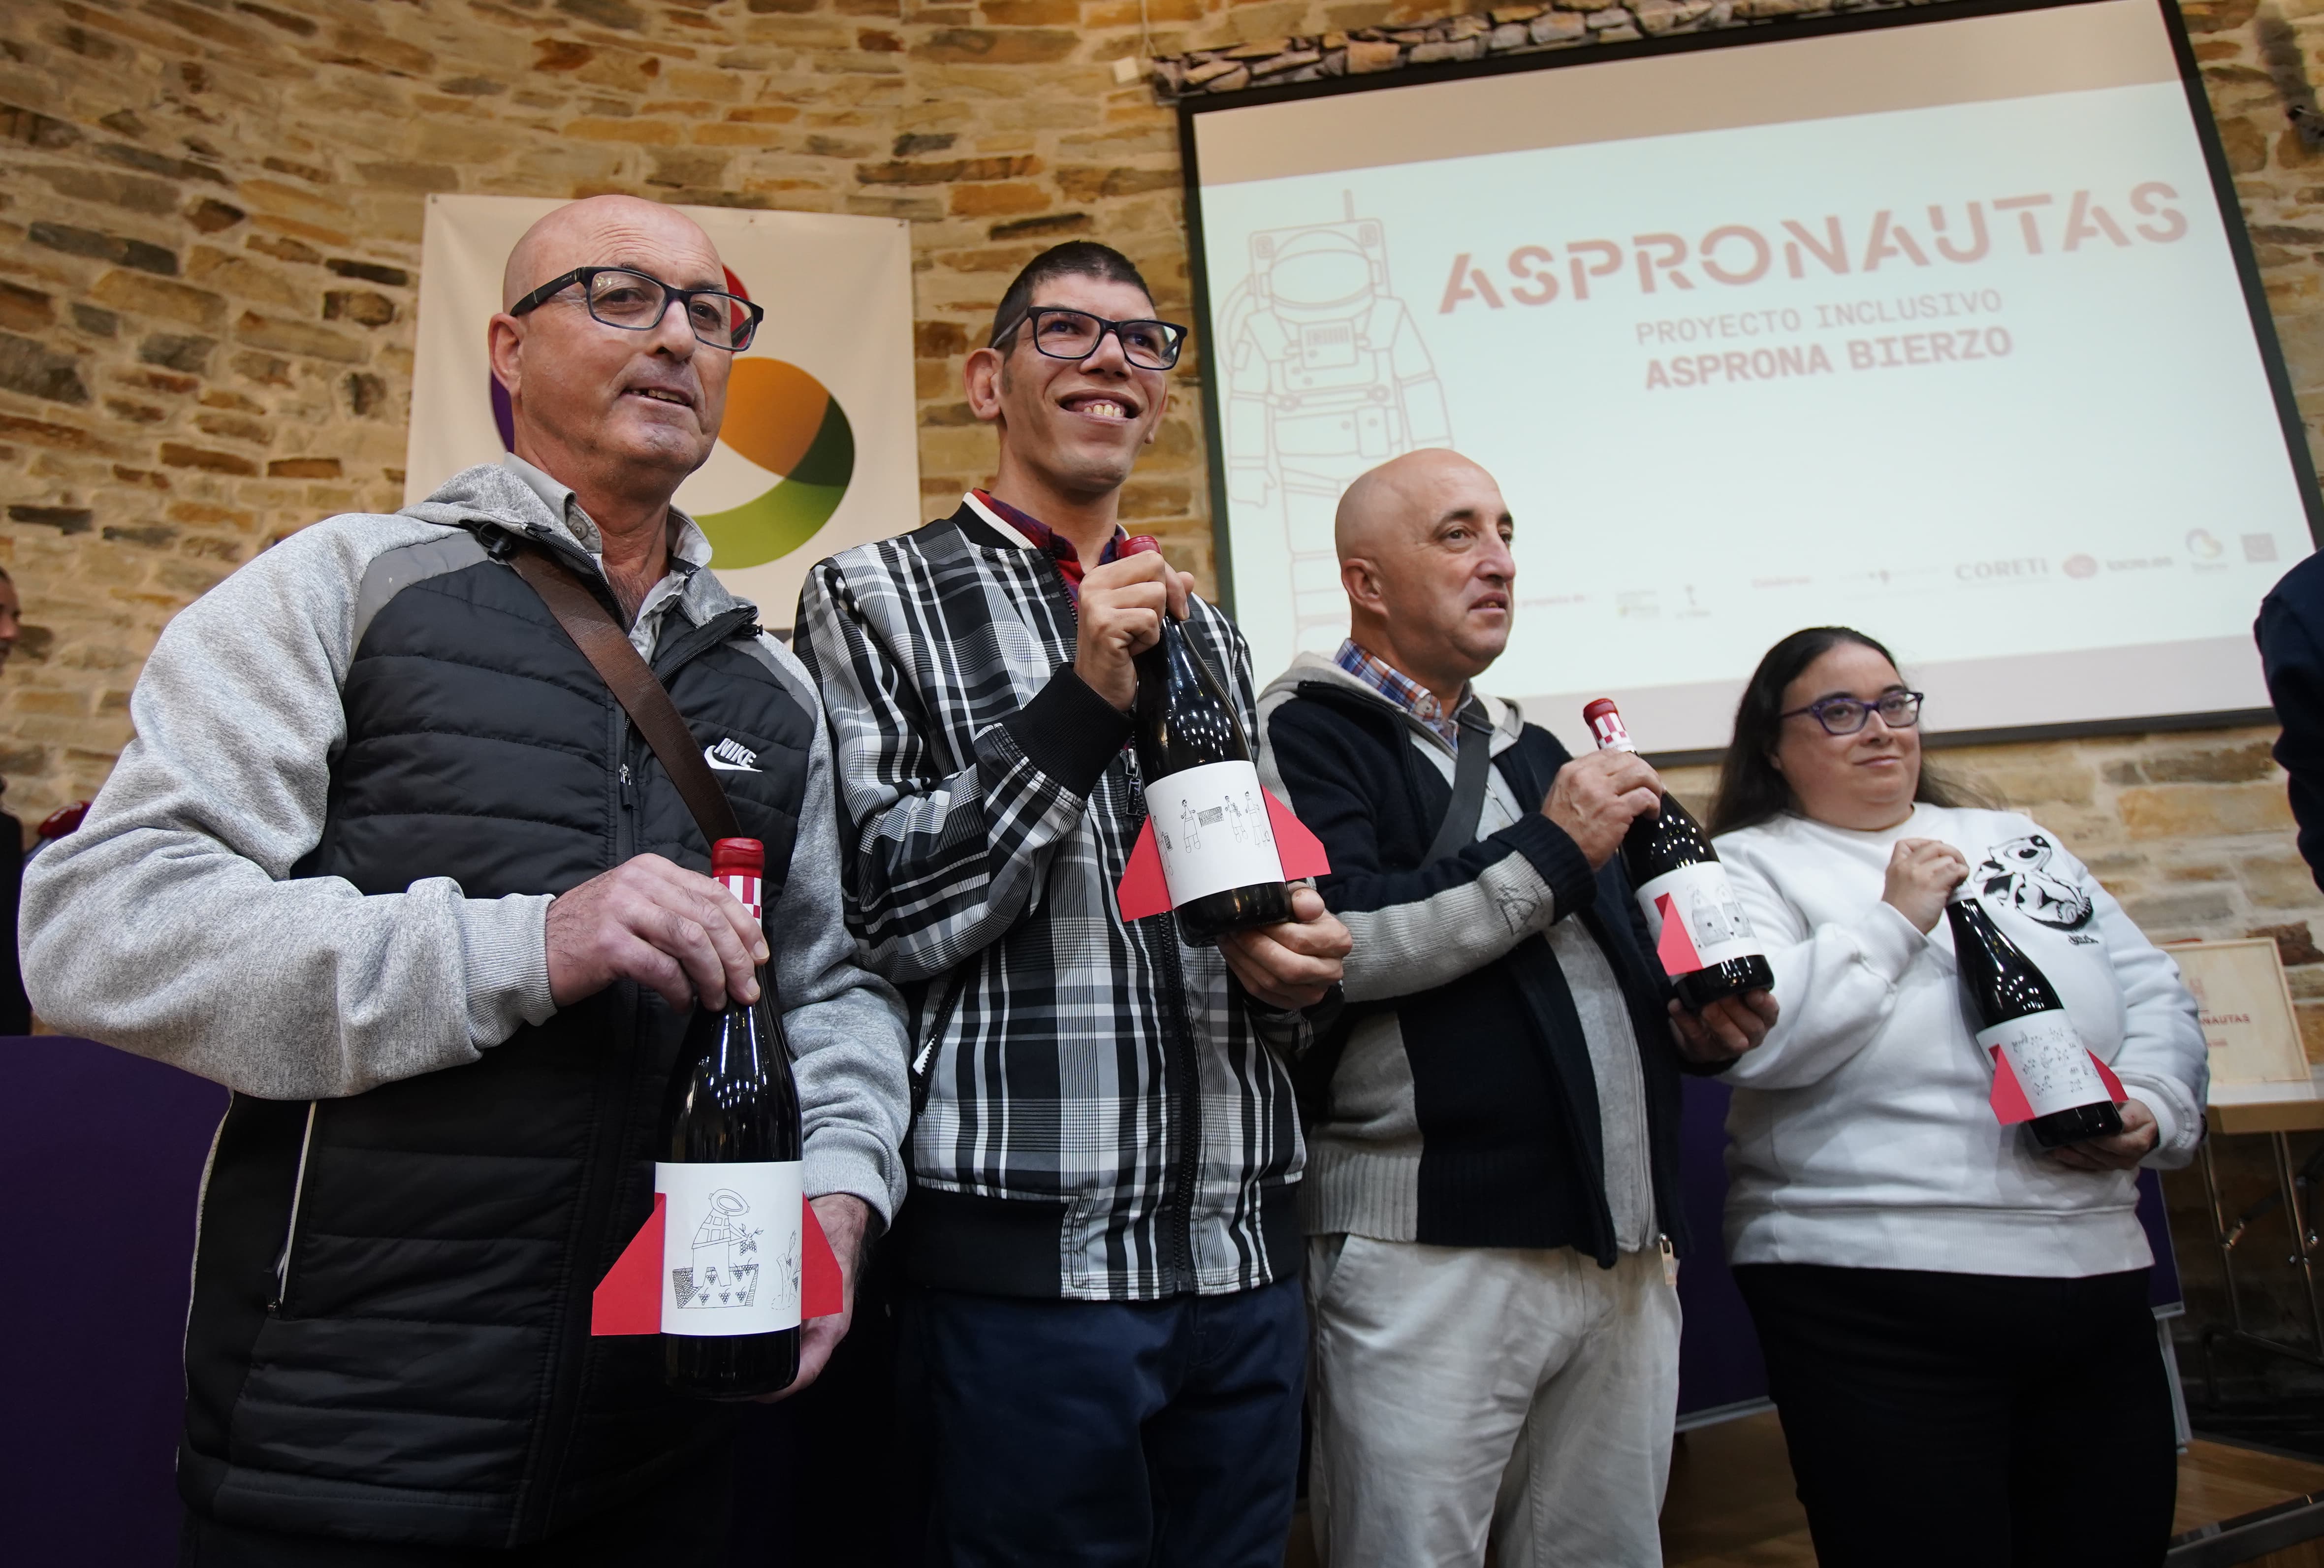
pixel 1861 1133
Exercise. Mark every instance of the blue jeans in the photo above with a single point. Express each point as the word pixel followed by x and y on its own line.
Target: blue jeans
pixel 1162 1433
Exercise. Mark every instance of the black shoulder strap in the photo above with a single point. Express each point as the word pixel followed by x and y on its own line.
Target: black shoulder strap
pixel 1469 780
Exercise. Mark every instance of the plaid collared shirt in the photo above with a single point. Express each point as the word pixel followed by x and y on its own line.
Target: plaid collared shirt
pixel 1093 1067
pixel 1402 690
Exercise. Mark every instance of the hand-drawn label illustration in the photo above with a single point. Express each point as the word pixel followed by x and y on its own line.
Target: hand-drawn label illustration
pixel 2050 1063
pixel 1210 825
pixel 732 1247
pixel 1702 900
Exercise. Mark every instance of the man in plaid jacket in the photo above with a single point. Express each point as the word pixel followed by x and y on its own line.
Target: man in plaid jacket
pixel 1105 1333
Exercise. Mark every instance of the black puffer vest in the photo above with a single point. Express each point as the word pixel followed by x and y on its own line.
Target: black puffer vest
pixel 390 1335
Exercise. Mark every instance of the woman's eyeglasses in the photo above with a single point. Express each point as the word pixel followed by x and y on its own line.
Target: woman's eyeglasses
pixel 1844 715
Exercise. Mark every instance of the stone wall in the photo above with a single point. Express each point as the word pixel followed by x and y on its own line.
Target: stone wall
pixel 209 228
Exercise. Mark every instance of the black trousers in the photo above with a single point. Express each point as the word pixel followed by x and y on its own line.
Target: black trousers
pixel 1950 1419
pixel 685 1520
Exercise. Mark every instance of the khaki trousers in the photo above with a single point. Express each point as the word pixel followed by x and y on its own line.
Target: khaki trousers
pixel 1458 1389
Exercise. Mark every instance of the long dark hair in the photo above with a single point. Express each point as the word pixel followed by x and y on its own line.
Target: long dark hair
pixel 1750 790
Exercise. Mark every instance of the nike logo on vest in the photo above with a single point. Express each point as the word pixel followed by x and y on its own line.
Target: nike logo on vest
pixel 732 756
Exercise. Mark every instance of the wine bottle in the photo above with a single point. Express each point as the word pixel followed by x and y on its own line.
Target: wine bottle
pixel 730 1178
pixel 1713 950
pixel 2025 1024
pixel 1203 794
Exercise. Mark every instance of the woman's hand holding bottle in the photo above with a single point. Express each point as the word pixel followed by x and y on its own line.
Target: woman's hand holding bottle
pixel 1921 875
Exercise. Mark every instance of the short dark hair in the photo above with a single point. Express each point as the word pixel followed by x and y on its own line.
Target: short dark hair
pixel 1750 790
pixel 1074 259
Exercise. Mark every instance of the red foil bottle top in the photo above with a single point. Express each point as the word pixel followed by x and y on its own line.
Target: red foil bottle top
pixel 737 857
pixel 1139 544
pixel 64 820
pixel 1605 726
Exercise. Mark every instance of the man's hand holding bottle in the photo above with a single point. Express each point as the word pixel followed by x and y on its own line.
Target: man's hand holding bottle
pixel 1595 799
pixel 1122 603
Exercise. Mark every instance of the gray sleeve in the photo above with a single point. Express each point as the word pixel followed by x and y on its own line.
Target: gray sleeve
pixel 171 924
pixel 1403 948
pixel 845 1025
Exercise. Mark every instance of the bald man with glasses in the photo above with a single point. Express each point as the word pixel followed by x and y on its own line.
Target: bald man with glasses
pixel 386 860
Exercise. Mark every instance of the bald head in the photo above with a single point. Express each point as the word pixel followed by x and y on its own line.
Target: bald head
pixel 1392 495
pixel 621 413
pixel 590 233
pixel 1424 543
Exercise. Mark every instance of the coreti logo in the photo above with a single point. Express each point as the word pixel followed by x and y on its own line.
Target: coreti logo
pixel 788 432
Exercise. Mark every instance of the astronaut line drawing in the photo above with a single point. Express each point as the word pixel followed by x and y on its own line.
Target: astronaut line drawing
pixel 1325 376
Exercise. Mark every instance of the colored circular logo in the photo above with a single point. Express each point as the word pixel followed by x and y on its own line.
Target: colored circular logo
pixel 782 419
pixel 795 452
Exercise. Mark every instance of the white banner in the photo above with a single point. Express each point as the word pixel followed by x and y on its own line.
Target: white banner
pixel 819 450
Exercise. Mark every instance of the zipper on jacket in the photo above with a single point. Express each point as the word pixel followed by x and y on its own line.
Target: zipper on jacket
pixel 1176 1217
pixel 290 1230
pixel 541 1483
pixel 1180 1193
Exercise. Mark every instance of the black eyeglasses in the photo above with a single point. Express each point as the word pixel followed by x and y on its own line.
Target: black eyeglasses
pixel 1844 715
pixel 636 302
pixel 1063 334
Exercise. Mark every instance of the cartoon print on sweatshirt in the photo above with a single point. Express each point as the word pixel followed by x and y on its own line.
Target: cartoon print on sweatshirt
pixel 2017 873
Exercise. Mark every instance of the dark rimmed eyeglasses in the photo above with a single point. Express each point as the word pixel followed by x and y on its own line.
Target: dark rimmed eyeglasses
pixel 636 301
pixel 1063 334
pixel 1844 715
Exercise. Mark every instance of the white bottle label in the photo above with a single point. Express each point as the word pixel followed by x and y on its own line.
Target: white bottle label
pixel 731 1247
pixel 2050 1061
pixel 1713 926
pixel 1210 825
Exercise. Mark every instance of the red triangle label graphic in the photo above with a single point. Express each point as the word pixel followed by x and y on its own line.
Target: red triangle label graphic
pixel 1143 892
pixel 628 1300
pixel 820 1290
pixel 1300 851
pixel 1675 947
pixel 2009 1103
pixel 2106 1076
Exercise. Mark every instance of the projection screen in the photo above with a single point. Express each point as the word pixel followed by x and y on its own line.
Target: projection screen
pixel 1935 328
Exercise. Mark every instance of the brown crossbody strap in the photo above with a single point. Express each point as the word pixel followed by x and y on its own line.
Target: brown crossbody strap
pixel 632 682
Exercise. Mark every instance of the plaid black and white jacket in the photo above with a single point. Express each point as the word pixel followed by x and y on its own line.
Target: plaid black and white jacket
pixel 1104 1119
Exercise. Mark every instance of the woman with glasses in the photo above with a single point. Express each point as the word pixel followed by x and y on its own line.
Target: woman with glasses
pixel 1955 1322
